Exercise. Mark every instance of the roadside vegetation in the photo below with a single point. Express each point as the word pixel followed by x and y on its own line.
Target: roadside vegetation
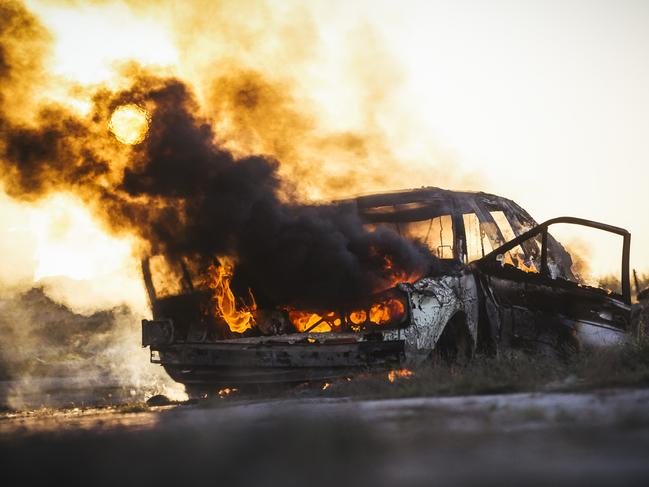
pixel 639 282
pixel 623 366
pixel 616 367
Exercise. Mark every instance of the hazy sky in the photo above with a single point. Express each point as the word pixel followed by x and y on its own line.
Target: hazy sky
pixel 549 98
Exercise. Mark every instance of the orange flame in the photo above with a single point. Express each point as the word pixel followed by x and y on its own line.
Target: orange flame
pixel 304 321
pixel 394 275
pixel 380 313
pixel 519 261
pixel 385 311
pixel 227 391
pixel 241 318
pixel 237 319
pixel 399 373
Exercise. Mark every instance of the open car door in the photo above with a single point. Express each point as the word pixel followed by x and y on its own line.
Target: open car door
pixel 535 298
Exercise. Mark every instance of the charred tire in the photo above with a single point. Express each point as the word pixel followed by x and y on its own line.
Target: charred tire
pixel 455 346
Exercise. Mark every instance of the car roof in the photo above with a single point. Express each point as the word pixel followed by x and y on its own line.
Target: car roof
pixel 426 193
pixel 415 203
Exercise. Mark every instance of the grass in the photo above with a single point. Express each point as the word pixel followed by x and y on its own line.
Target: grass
pixel 621 366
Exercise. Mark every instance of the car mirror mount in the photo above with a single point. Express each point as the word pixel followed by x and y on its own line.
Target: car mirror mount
pixel 643 295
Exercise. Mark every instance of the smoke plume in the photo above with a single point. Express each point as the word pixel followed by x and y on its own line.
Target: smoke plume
pixel 185 195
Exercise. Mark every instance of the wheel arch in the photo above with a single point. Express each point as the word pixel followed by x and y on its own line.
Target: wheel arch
pixel 456 342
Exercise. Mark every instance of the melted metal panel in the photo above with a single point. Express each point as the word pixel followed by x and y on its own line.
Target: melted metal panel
pixel 595 335
pixel 433 302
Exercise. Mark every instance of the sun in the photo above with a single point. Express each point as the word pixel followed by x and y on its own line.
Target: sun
pixel 129 124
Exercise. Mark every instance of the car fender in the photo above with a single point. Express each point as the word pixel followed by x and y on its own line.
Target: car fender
pixel 433 302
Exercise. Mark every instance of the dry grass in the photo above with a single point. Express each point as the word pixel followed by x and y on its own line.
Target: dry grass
pixel 623 366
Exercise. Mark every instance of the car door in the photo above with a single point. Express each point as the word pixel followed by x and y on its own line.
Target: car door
pixel 534 299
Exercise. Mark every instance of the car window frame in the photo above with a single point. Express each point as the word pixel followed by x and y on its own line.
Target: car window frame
pixel 491 258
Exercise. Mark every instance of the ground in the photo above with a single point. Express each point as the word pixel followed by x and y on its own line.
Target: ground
pixel 594 438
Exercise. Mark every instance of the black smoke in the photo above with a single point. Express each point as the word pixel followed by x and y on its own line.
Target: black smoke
pixel 287 252
pixel 187 196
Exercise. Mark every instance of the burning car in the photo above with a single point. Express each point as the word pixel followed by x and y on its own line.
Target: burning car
pixel 503 281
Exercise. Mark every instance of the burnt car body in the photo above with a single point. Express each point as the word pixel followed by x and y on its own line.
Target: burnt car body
pixel 507 283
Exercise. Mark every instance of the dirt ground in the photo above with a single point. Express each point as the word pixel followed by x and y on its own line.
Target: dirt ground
pixel 593 438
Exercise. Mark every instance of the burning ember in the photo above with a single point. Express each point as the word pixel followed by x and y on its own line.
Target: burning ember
pixel 238 319
pixel 393 375
pixel 227 391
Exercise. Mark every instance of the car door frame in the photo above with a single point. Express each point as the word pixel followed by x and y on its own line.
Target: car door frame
pixel 494 277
